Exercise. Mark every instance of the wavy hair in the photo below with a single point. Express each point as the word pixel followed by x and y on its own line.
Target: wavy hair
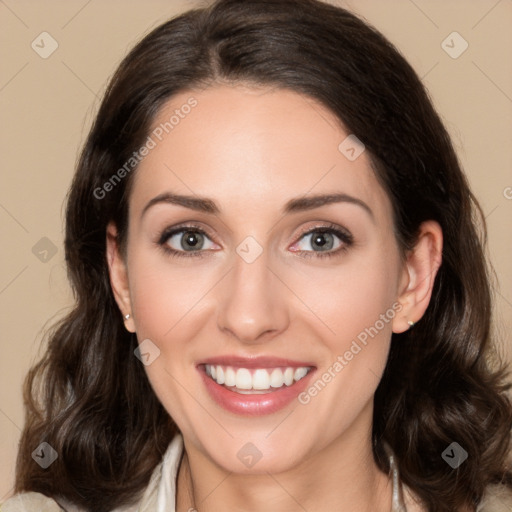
pixel 89 397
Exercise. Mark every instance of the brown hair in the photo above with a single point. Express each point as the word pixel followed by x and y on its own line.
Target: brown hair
pixel 89 397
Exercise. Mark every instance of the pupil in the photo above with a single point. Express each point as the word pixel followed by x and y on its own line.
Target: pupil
pixel 320 241
pixel 191 240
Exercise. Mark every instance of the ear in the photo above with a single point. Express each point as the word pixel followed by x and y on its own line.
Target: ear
pixel 119 276
pixel 419 273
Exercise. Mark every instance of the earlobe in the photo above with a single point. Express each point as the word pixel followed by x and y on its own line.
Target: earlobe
pixel 119 276
pixel 422 264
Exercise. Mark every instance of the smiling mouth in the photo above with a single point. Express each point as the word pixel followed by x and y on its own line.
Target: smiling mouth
pixel 253 381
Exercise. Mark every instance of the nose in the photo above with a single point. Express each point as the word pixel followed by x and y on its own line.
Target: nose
pixel 253 302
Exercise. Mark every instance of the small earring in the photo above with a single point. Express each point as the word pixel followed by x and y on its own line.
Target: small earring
pixel 127 316
pixel 411 323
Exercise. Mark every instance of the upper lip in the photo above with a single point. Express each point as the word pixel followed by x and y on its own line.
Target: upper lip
pixel 255 362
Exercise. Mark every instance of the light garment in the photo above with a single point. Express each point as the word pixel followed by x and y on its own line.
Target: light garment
pixel 160 494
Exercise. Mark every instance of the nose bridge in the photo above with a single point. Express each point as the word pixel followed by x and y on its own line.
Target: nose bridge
pixel 252 301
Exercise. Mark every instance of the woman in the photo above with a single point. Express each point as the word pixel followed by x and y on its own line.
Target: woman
pixel 282 301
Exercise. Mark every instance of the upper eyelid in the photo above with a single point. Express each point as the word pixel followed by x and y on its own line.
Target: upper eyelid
pixel 171 231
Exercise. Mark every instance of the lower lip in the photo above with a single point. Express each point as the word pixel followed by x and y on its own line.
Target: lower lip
pixel 257 404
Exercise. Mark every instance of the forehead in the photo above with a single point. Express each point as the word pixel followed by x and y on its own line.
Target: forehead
pixel 252 148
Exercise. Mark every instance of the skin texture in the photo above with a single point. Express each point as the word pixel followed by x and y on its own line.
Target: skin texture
pixel 251 150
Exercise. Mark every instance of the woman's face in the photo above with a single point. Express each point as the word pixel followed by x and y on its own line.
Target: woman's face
pixel 289 298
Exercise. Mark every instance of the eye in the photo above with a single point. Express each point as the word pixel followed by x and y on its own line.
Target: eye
pixel 192 241
pixel 185 241
pixel 323 241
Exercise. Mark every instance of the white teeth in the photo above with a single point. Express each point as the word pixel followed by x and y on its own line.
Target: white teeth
pixel 243 379
pixel 276 378
pixel 220 375
pixel 229 377
pixel 288 376
pixel 299 373
pixel 259 380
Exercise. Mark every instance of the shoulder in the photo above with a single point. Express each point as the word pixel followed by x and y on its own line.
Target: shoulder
pixel 497 498
pixel 162 482
pixel 30 502
pixel 37 502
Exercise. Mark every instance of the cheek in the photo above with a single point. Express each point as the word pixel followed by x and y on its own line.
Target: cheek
pixel 350 298
pixel 166 299
pixel 358 307
pixel 163 292
pixel 356 304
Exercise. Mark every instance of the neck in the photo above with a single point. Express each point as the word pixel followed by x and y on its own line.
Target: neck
pixel 342 476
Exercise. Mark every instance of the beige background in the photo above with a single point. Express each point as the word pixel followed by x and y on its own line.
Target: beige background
pixel 47 106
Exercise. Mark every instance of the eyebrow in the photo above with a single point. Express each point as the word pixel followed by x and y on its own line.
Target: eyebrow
pixel 206 205
pixel 310 202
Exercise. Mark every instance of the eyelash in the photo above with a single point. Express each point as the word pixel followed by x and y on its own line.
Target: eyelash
pixel 344 236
